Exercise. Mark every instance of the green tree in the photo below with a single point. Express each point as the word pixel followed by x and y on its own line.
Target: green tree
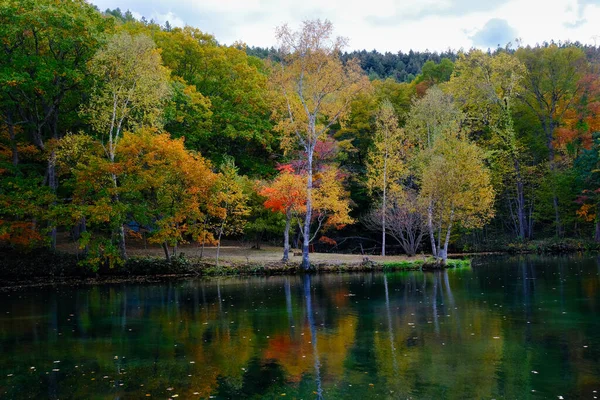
pixel 236 86
pixel 43 80
pixel 131 86
pixel 551 84
pixel 486 88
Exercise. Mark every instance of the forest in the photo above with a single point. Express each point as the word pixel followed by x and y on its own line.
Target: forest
pixel 114 130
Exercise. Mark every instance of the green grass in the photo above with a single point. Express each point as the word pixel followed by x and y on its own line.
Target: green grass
pixel 402 265
pixel 458 263
pixel 418 264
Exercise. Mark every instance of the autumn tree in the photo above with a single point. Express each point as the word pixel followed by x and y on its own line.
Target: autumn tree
pixel 87 174
pixel 331 203
pixel 386 166
pixel 551 83
pixel 261 221
pixel 455 189
pixel 131 85
pixel 588 168
pixel 404 220
pixel 24 206
pixel 430 118
pixel 166 187
pixel 317 89
pixel 486 88
pixel 286 195
pixel 230 202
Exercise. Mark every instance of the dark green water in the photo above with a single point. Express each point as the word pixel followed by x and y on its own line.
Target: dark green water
pixel 514 328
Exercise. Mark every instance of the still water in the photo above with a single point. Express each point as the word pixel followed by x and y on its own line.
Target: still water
pixel 514 328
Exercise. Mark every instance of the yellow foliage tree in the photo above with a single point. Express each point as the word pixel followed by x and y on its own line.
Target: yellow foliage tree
pixel 455 188
pixel 317 88
pixel 385 164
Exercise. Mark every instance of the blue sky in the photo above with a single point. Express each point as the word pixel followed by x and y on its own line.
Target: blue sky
pixel 385 25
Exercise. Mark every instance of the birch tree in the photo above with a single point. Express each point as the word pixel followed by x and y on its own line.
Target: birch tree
pixel 385 165
pixel 131 85
pixel 317 88
pixel 455 188
pixel 430 117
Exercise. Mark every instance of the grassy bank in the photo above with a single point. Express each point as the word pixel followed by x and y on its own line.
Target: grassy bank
pixel 46 266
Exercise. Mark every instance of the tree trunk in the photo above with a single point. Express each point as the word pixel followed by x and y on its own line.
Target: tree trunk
pixel 549 128
pixel 521 219
pixel 308 217
pixel 258 240
pixel 286 237
pixel 219 242
pixel 447 239
pixel 122 246
pixel 383 206
pixel 203 236
pixel 53 184
pixel 121 232
pixel 165 247
pixel 444 254
pixel 83 225
pixel 430 228
pixel 13 140
pixel 597 235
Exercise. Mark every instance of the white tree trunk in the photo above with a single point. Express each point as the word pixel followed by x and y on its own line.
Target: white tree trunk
pixel 308 217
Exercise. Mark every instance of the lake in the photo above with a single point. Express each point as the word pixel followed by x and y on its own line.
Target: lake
pixel 516 328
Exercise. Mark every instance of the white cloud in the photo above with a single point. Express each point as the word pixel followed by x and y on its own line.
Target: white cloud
pixel 385 25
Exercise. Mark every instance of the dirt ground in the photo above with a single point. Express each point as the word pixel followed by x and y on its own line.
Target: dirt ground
pixel 237 252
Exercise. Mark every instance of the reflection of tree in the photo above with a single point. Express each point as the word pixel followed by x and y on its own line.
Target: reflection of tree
pixel 313 334
pixel 244 347
pixel 436 323
pixel 288 303
pixel 389 319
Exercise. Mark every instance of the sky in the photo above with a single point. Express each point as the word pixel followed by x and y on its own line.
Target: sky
pixel 384 25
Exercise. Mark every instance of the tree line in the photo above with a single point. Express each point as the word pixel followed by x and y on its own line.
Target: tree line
pixel 115 129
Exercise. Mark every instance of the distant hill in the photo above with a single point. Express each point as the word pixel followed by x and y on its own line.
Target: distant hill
pixel 403 67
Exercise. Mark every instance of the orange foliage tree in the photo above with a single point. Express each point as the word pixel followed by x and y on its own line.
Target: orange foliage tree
pixel 163 189
pixel 330 203
pixel 167 187
pixel 286 194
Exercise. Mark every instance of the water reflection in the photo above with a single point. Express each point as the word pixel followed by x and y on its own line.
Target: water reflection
pixel 524 327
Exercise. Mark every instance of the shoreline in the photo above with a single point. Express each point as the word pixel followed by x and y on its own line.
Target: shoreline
pixel 63 269
pixel 42 267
